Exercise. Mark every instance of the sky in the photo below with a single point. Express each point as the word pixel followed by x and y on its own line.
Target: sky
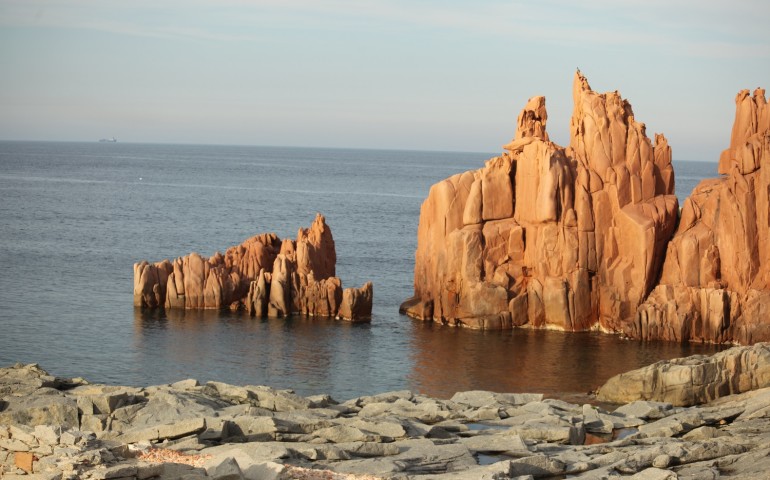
pixel 396 74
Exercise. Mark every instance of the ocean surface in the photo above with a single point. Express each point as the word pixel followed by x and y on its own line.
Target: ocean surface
pixel 74 217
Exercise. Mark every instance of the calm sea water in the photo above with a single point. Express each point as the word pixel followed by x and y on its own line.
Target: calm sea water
pixel 74 217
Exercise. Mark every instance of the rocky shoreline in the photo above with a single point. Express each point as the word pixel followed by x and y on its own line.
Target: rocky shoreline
pixel 67 428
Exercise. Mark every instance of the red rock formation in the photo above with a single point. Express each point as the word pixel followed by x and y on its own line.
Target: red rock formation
pixel 265 275
pixel 715 285
pixel 546 236
pixel 356 302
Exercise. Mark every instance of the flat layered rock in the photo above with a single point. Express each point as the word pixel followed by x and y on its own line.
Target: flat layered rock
pixel 189 431
pixel 693 380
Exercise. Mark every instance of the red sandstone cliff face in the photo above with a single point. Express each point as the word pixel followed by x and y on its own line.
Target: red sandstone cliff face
pixel 715 285
pixel 264 275
pixel 546 236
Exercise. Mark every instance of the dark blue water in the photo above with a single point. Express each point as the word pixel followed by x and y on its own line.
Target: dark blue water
pixel 74 218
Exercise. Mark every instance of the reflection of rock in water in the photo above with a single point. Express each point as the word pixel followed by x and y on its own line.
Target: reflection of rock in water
pixel 264 275
pixel 293 352
pixel 448 360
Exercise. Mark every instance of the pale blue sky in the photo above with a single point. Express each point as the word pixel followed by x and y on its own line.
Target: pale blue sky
pixel 435 75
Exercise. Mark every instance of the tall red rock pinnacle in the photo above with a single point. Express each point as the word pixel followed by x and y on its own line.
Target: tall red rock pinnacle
pixel 546 236
pixel 715 285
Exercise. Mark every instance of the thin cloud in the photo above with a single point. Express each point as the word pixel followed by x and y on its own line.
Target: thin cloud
pixel 686 27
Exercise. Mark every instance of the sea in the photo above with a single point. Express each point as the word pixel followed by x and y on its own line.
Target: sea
pixel 75 217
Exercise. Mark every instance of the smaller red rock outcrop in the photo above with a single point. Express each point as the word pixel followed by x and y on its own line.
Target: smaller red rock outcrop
pixel 715 284
pixel 265 275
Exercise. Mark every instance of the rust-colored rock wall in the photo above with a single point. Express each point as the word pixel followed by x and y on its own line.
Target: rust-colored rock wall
pixel 575 238
pixel 546 236
pixel 264 275
pixel 715 285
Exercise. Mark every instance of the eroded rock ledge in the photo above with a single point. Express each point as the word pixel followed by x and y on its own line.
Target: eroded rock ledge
pixel 265 275
pixel 575 238
pixel 54 428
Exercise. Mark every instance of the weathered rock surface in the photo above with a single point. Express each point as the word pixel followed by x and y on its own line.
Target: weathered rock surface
pixel 264 275
pixel 693 380
pixel 575 238
pixel 546 236
pixel 215 430
pixel 715 285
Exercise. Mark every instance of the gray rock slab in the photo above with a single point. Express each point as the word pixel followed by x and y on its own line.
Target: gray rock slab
pixel 165 407
pixel 673 425
pixel 596 422
pixel 257 428
pixel 704 433
pixel 496 471
pixel 417 457
pixel 20 379
pixel 224 469
pixel 36 409
pixel 369 449
pixel 757 406
pixel 428 412
pixel 95 399
pixel 547 432
pixel 511 445
pixel 263 471
pixel 185 384
pixel 178 471
pixel 160 432
pixel 385 397
pixel 252 452
pixel 279 400
pixel 537 466
pixel 653 473
pixel 475 398
pixel 233 393
pixel 23 433
pixel 646 410
pixel 384 427
pixel 346 434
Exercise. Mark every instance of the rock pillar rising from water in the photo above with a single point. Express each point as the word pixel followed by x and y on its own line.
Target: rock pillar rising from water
pixel 715 285
pixel 264 275
pixel 546 236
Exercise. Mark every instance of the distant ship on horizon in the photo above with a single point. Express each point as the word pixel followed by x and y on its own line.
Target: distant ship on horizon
pixel 108 140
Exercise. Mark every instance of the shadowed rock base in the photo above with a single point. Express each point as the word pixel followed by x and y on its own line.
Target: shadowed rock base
pixel 221 431
pixel 264 275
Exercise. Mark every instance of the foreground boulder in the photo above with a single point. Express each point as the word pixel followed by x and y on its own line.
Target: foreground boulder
pixel 546 236
pixel 220 431
pixel 693 380
pixel 265 275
